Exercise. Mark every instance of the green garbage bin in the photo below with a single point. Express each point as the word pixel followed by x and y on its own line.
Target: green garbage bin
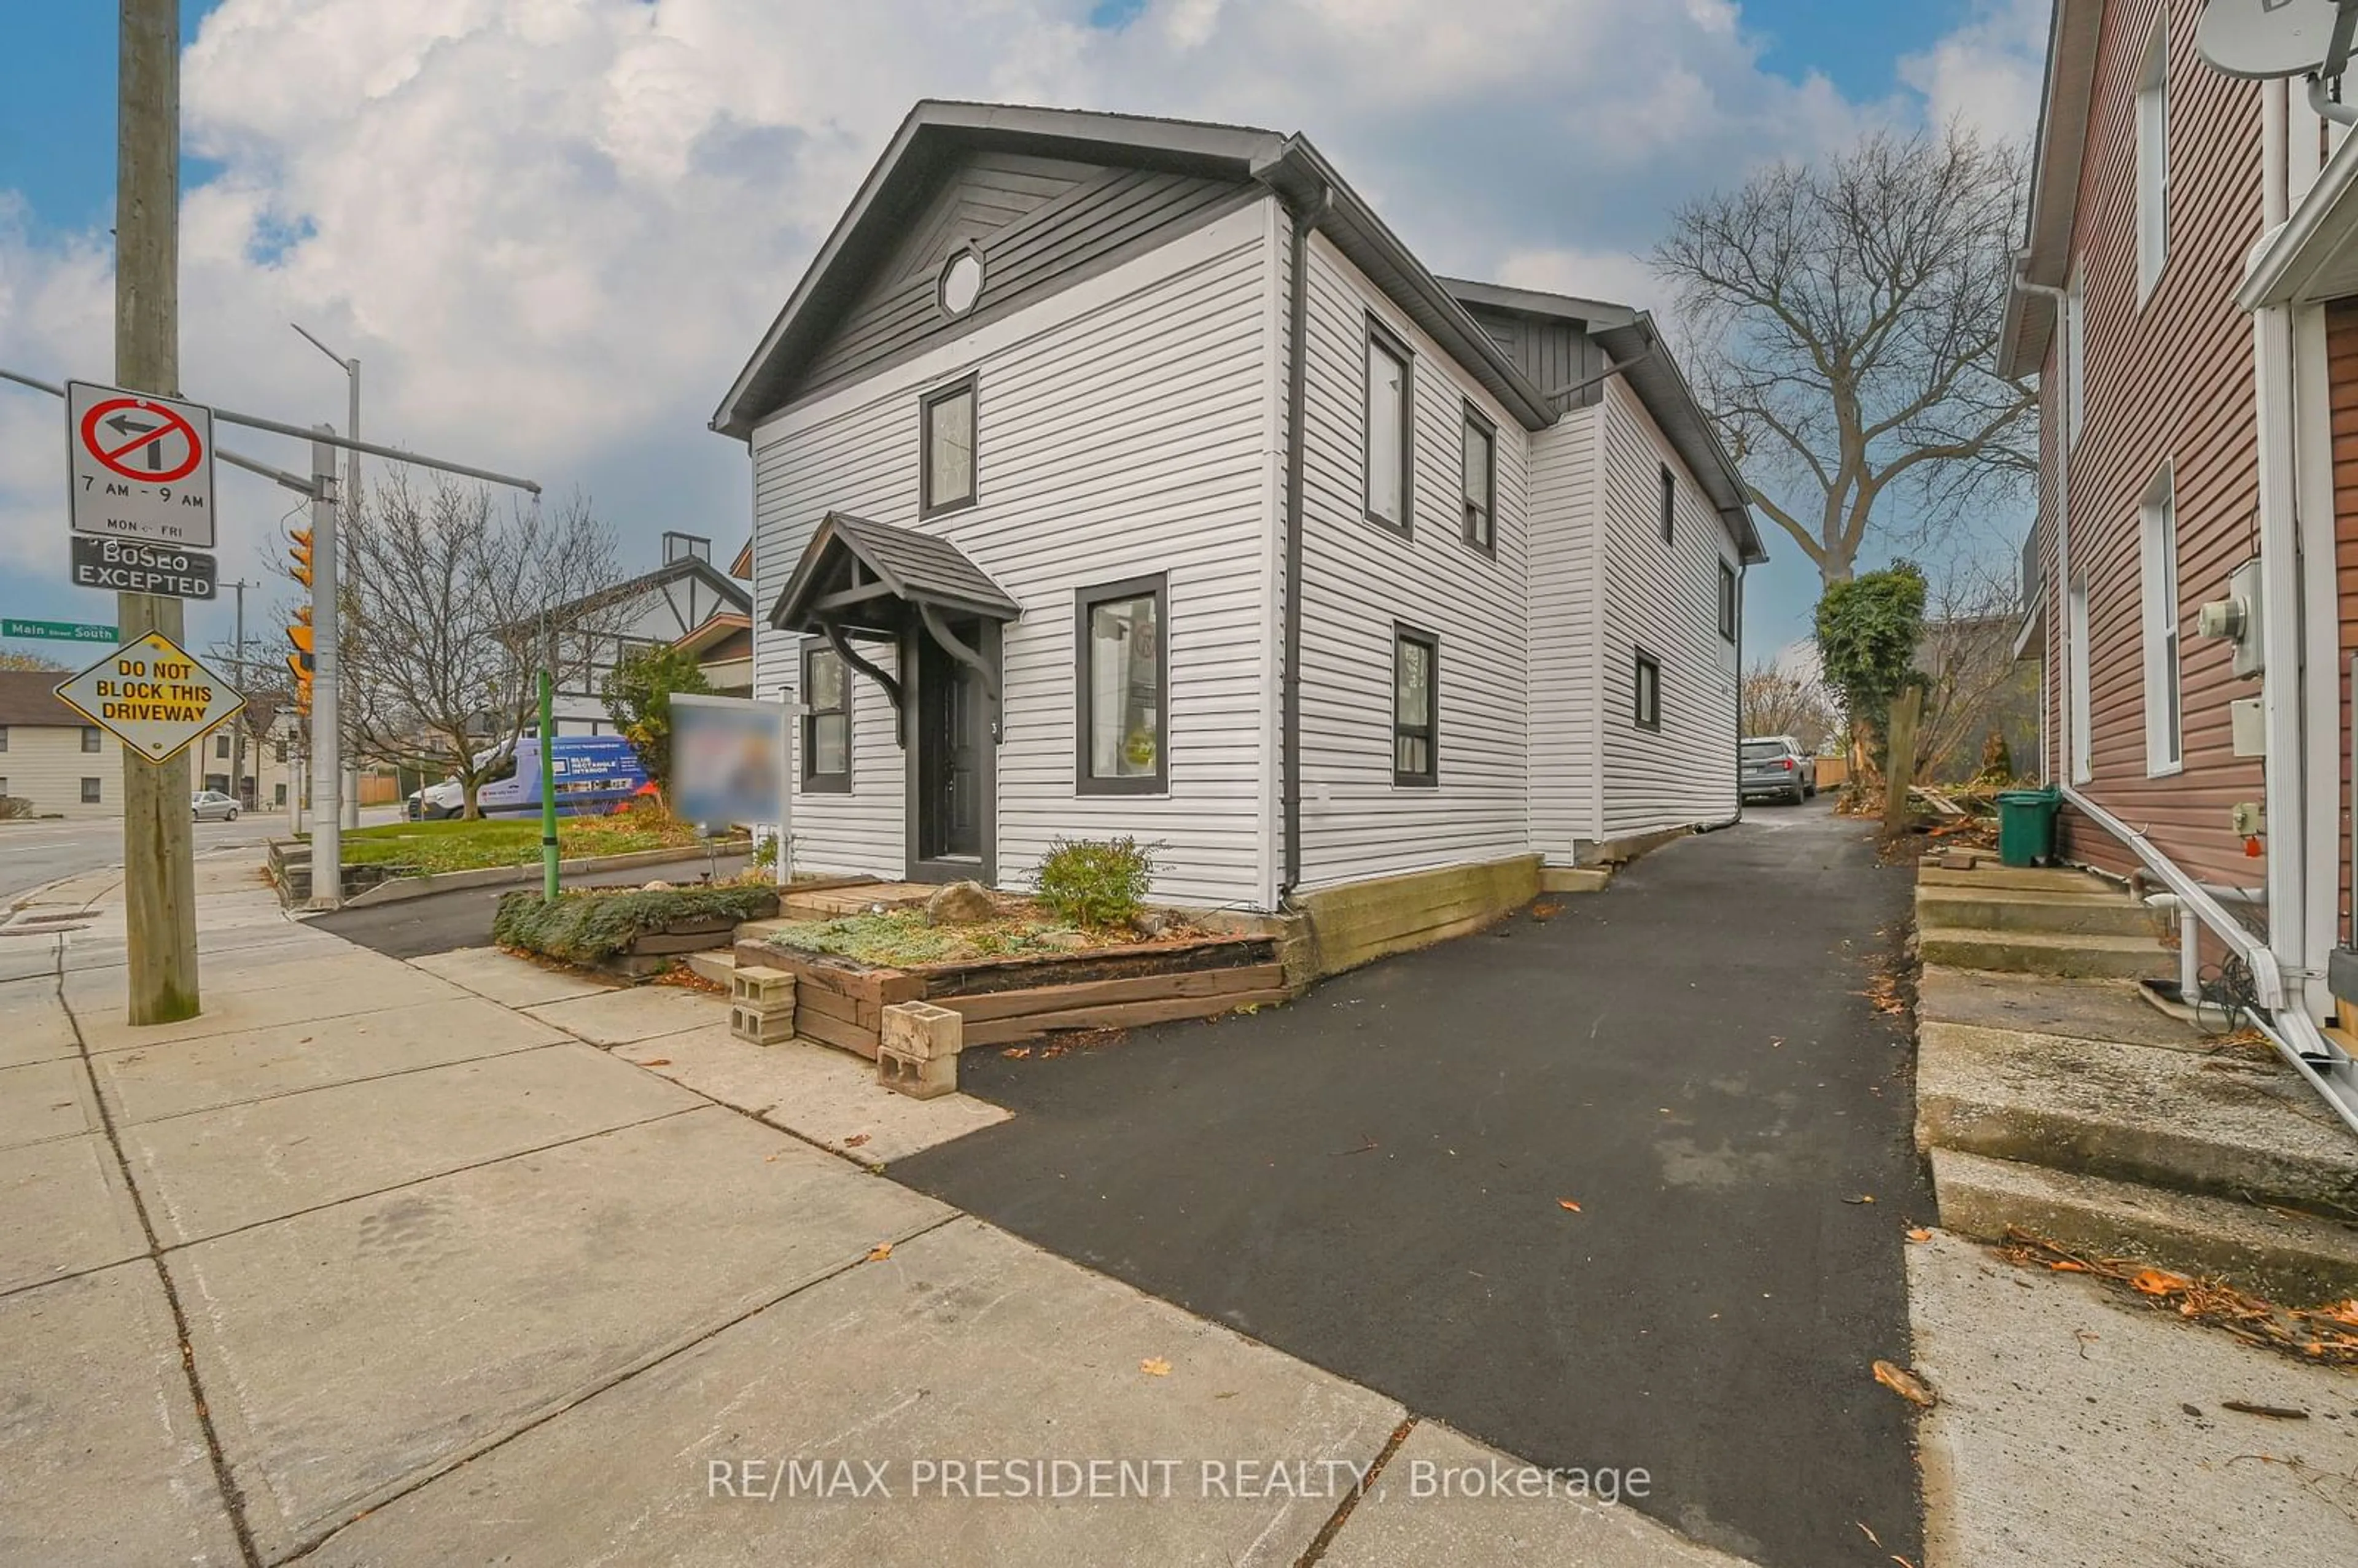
pixel 2026 824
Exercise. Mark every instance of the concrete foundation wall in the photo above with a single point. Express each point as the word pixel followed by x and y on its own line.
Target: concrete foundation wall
pixel 1360 922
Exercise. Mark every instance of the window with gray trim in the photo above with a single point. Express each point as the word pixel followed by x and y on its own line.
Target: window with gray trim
pixel 1669 503
pixel 1646 704
pixel 89 741
pixel 826 727
pixel 4 737
pixel 1480 483
pixel 1119 688
pixel 1416 702
pixel 90 792
pixel 1727 596
pixel 1391 429
pixel 947 423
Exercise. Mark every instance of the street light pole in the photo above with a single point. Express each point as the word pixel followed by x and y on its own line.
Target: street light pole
pixel 351 498
pixel 237 725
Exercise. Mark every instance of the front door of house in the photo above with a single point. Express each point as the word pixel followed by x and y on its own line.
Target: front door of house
pixel 950 765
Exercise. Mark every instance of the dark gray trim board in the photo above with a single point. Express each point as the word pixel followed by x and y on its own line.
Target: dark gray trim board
pixel 1085 599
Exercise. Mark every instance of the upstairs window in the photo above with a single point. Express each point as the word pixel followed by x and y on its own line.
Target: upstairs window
pixel 1390 430
pixel 1727 598
pixel 1669 503
pixel 961 283
pixel 2153 160
pixel 220 745
pixel 1481 482
pixel 826 727
pixel 1646 707
pixel 89 741
pixel 948 426
pixel 1121 748
pixel 4 737
pixel 1416 679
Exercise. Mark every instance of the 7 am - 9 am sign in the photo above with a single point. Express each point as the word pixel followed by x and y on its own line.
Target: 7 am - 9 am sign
pixel 155 698
pixel 139 466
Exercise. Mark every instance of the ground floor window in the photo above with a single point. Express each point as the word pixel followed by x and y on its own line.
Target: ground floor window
pixel 90 792
pixel 1119 689
pixel 1416 676
pixel 1646 708
pixel 826 727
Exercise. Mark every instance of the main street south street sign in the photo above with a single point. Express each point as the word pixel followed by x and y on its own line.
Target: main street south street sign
pixel 153 696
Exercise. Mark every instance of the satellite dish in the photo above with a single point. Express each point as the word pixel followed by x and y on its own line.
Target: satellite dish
pixel 2269 38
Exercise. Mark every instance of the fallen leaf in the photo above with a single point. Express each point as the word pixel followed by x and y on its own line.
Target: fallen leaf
pixel 2346 1312
pixel 1919 1234
pixel 881 1252
pixel 658 1062
pixel 2157 1282
pixel 769 1159
pixel 1567 1202
pixel 1017 1052
pixel 2067 1266
pixel 1905 1384
pixel 1863 1197
pixel 855 1141
pixel 1155 1367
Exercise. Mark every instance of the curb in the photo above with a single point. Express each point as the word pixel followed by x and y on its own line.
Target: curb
pixel 395 890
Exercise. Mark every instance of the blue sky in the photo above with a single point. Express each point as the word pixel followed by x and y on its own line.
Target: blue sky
pixel 334 127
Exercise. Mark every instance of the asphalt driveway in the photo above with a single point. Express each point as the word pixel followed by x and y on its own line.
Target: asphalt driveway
pixel 1375 1178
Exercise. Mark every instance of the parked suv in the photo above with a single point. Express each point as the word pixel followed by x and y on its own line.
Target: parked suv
pixel 1776 768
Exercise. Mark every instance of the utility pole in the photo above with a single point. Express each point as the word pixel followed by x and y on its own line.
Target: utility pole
pixel 353 496
pixel 237 725
pixel 159 849
pixel 327 771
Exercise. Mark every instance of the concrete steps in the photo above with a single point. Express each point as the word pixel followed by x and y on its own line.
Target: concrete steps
pixel 2067 957
pixel 2052 912
pixel 2025 880
pixel 716 966
pixel 2287 1257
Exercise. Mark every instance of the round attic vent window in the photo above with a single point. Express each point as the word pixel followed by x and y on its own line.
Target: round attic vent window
pixel 961 283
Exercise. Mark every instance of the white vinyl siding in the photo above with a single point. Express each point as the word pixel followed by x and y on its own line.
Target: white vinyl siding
pixel 1121 430
pixel 2153 160
pixel 2157 583
pixel 46 765
pixel 1662 599
pixel 1566 567
pixel 1359 580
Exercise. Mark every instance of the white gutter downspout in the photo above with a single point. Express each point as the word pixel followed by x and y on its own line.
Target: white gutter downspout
pixel 2052 629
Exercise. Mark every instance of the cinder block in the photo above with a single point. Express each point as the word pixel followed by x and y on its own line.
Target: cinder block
pixel 767 990
pixel 762 1026
pixel 921 1030
pixel 918 1077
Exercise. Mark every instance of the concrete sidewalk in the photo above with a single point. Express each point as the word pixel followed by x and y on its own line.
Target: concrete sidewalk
pixel 476 1261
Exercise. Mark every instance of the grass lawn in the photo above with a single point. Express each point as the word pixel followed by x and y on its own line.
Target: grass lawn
pixel 425 848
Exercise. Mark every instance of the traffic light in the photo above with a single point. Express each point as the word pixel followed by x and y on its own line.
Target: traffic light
pixel 298 550
pixel 299 663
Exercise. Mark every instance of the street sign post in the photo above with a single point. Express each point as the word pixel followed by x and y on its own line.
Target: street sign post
pixel 139 466
pixel 60 631
pixel 153 697
pixel 133 565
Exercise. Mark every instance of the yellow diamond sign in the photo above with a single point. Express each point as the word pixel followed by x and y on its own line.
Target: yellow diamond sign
pixel 154 697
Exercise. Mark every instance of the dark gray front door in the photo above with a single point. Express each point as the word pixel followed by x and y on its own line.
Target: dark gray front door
pixel 951 776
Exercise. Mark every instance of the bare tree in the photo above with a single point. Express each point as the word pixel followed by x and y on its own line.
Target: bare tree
pixel 10 659
pixel 1842 324
pixel 1779 702
pixel 1974 688
pixel 451 606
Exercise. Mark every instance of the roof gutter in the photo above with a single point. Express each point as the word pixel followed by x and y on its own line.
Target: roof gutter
pixel 1306 216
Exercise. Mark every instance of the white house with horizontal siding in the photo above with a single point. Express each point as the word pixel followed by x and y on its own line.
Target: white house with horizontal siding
pixel 1126 476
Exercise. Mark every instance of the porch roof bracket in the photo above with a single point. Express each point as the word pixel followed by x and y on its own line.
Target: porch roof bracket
pixel 844 651
pixel 940 632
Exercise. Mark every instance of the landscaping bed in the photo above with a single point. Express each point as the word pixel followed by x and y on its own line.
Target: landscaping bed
pixel 630 931
pixel 424 849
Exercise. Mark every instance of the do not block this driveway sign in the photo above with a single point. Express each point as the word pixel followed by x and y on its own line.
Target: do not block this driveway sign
pixel 140 466
pixel 155 698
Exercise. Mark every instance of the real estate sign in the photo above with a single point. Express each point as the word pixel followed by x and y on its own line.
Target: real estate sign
pixel 153 696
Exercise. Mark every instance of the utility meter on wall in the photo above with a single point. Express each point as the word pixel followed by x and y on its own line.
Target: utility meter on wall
pixel 2237 618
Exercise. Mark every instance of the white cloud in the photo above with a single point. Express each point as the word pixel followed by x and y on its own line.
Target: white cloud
pixel 1988 72
pixel 552 229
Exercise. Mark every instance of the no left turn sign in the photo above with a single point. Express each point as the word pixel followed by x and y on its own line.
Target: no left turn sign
pixel 140 466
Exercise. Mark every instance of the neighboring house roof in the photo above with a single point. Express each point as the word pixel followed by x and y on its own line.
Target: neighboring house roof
pixel 938 131
pixel 743 566
pixel 1634 340
pixel 29 698
pixel 715 632
pixel 671 571
pixel 905 565
pixel 2055 170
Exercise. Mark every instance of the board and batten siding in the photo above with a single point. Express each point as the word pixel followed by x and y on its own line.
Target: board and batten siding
pixel 1566 556
pixel 1360 578
pixel 1662 599
pixel 1121 429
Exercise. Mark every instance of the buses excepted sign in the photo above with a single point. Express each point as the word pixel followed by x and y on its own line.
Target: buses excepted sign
pixel 154 697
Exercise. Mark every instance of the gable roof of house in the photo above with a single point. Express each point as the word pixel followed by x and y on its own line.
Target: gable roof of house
pixel 671 571
pixel 938 131
pixel 716 630
pixel 2055 168
pixel 29 698
pixel 913 568
pixel 1636 343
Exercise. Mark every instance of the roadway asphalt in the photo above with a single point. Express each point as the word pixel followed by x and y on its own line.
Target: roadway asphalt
pixel 1375 1179
pixel 444 922
pixel 33 854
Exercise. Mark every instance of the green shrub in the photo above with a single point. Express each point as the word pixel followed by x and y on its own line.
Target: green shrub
pixel 592 925
pixel 1094 882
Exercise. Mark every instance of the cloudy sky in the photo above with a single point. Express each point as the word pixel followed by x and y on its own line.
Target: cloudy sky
pixel 551 230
